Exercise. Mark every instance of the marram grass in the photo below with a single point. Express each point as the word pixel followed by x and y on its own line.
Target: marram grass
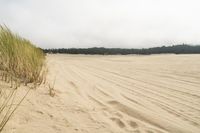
pixel 20 62
pixel 19 57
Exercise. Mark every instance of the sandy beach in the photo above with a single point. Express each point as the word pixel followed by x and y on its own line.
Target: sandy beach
pixel 114 94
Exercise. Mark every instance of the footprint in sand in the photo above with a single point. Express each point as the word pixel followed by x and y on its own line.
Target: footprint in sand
pixel 40 112
pixel 118 122
pixel 133 124
pixel 119 115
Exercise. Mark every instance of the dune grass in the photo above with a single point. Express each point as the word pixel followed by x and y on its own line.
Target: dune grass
pixel 20 62
pixel 19 58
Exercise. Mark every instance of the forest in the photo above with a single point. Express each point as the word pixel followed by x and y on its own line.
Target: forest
pixel 176 49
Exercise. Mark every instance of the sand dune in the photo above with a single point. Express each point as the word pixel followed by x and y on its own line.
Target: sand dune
pixel 114 94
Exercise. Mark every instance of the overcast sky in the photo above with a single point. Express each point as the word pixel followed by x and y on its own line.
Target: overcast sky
pixel 104 23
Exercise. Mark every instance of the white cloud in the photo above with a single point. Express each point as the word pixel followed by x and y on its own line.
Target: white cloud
pixel 108 23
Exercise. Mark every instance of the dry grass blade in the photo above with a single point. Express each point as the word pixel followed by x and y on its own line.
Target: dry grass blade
pixel 20 62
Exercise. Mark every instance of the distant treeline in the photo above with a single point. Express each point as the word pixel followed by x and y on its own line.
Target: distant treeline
pixel 176 49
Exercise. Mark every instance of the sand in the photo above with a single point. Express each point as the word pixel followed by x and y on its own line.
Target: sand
pixel 114 94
